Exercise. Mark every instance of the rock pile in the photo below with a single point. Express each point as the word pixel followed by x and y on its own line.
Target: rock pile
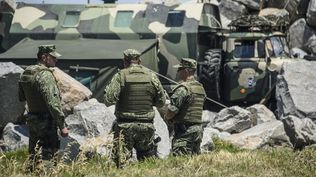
pixel 300 14
pixel 11 108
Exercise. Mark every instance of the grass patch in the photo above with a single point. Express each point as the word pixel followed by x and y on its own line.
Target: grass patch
pixel 221 145
pixel 226 160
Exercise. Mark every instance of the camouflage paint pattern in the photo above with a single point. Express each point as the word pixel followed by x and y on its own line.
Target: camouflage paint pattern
pixel 248 79
pixel 7 8
pixel 178 36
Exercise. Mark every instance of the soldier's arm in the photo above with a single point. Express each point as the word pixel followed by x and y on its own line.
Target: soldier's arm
pixel 160 98
pixel 177 100
pixel 112 91
pixel 50 93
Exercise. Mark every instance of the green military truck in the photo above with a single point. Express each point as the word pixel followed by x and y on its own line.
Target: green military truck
pixel 7 8
pixel 242 71
pixel 236 66
pixel 91 38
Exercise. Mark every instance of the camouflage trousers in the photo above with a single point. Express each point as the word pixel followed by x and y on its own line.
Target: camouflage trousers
pixel 187 139
pixel 43 141
pixel 133 135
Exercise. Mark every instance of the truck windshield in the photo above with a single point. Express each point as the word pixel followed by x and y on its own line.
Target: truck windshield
pixel 244 49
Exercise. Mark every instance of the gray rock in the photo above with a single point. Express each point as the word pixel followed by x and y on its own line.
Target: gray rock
pixel 164 146
pixel 251 4
pixel 208 116
pixel 230 10
pixel 268 134
pixel 297 52
pixel 302 7
pixel 261 114
pixel 311 45
pixel 311 13
pixel 294 7
pixel 295 89
pixel 11 108
pixel 72 92
pixel 302 132
pixel 299 33
pixel 15 137
pixel 90 119
pixel 232 120
pixel 209 134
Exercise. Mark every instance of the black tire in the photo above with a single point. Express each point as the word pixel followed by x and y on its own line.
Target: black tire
pixel 210 73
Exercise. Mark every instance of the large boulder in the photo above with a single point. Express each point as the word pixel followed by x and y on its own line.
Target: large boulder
pixel 72 92
pixel 311 45
pixel 164 145
pixel 299 34
pixel 230 10
pixel 90 120
pixel 268 134
pixel 251 4
pixel 11 108
pixel 296 8
pixel 15 137
pixel 302 132
pixel 162 131
pixel 295 89
pixel 208 117
pixel 297 52
pixel 233 120
pixel 209 134
pixel 261 114
pixel 311 13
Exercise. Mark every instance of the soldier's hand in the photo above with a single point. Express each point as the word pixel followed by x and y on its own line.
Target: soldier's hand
pixel 64 132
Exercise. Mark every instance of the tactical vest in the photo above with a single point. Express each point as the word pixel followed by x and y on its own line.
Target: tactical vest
pixel 137 92
pixel 31 90
pixel 191 112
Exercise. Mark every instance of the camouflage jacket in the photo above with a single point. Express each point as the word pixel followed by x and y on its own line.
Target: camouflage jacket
pixel 113 90
pixel 179 97
pixel 47 87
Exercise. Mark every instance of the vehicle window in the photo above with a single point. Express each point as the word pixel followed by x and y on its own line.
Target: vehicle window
pixel 71 19
pixel 175 18
pixel 123 18
pixel 244 49
pixel 261 51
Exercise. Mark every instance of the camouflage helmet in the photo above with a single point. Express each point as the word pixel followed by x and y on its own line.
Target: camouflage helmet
pixel 186 63
pixel 50 49
pixel 130 54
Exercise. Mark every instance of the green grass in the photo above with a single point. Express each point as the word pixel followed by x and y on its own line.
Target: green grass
pixel 226 160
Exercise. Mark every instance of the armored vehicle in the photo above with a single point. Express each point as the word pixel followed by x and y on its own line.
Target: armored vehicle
pixel 242 71
pixel 7 8
pixel 91 38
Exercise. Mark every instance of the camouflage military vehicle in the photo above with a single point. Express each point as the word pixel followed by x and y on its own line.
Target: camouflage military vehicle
pixel 243 70
pixel 7 8
pixel 91 38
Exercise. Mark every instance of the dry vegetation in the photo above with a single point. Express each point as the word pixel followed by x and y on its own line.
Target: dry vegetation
pixel 226 160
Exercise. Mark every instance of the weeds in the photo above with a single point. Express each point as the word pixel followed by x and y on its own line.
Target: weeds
pixel 226 160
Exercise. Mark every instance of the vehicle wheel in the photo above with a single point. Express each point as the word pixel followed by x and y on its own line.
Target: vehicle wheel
pixel 210 73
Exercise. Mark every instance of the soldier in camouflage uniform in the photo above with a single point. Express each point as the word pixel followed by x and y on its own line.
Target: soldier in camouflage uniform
pixel 185 110
pixel 37 86
pixel 134 90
